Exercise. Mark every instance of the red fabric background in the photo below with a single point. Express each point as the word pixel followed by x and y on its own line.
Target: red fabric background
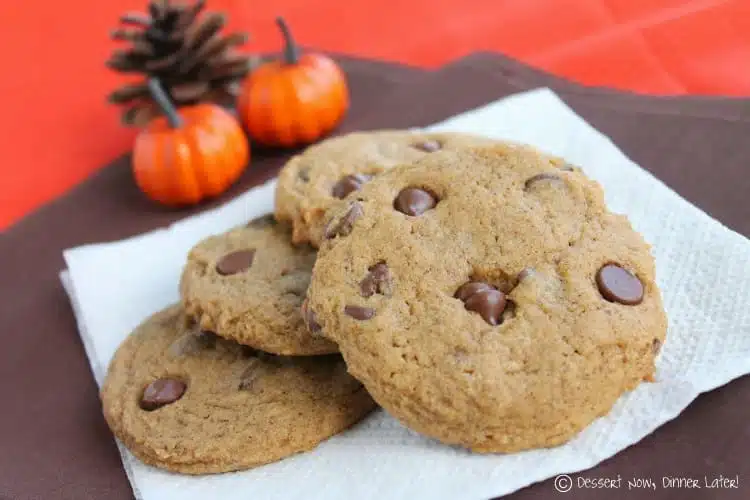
pixel 57 129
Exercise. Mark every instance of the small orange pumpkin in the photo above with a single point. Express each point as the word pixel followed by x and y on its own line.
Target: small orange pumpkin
pixel 294 101
pixel 189 154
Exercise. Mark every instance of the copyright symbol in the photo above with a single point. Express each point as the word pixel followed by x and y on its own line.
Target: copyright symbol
pixel 563 483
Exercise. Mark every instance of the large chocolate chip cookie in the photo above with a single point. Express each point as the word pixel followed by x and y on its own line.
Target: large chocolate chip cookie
pixel 192 402
pixel 310 182
pixel 488 298
pixel 248 284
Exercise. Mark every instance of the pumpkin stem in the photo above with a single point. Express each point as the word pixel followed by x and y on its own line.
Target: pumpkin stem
pixel 291 51
pixel 164 102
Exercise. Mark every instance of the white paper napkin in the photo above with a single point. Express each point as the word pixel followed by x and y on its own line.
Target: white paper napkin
pixel 703 270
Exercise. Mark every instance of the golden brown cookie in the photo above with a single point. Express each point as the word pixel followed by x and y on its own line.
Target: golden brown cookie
pixel 248 284
pixel 310 182
pixel 488 298
pixel 192 402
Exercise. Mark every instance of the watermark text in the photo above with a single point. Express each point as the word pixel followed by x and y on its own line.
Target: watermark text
pixel 565 483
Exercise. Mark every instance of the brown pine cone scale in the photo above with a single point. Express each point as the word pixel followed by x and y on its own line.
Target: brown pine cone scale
pixel 184 48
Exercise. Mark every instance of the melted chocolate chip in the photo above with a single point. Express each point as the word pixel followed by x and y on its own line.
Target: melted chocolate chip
pixel 617 284
pixel 308 316
pixel 262 222
pixel 235 262
pixel 414 201
pixel 483 299
pixel 344 225
pixel 490 305
pixel 470 288
pixel 162 392
pixel 544 176
pixel 428 146
pixel 359 313
pixel 349 184
pixel 378 280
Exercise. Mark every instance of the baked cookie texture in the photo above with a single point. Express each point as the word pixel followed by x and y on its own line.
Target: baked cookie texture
pixel 248 285
pixel 311 181
pixel 192 402
pixel 488 298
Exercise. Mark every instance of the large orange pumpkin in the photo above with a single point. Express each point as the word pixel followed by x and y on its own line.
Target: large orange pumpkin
pixel 294 101
pixel 189 154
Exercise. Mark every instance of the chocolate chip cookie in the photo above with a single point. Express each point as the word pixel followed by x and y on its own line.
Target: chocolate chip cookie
pixel 332 169
pixel 248 285
pixel 488 298
pixel 191 402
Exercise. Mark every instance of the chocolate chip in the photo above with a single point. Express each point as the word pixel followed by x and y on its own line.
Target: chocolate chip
pixel 162 392
pixel 568 167
pixel 344 225
pixel 489 304
pixel 262 222
pixel 429 146
pixel 468 289
pixel 378 280
pixel 235 262
pixel 358 312
pixel 348 184
pixel 544 176
pixel 414 201
pixel 484 299
pixel 656 346
pixel 308 316
pixel 619 285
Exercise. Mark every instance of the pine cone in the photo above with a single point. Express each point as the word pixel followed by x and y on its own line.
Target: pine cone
pixel 185 50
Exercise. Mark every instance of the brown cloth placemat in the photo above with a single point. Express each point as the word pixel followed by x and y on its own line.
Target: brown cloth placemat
pixel 54 441
pixel 690 146
pixel 520 74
